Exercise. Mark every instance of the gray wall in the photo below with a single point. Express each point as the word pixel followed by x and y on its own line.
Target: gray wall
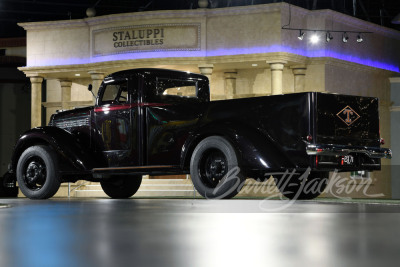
pixel 15 111
pixel 395 140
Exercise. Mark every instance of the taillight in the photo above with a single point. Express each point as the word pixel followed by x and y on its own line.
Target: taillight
pixel 309 138
pixel 382 141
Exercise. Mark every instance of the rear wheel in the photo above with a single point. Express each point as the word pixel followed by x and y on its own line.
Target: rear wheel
pixel 302 187
pixel 121 187
pixel 37 173
pixel 215 170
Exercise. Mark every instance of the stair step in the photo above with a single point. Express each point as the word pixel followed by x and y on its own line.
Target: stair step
pixel 165 187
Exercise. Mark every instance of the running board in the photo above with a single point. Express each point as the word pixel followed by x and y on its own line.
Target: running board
pixel 139 170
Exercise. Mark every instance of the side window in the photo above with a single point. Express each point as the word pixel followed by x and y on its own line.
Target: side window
pixel 176 88
pixel 115 93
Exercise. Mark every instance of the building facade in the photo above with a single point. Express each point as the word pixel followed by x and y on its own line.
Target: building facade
pixel 242 50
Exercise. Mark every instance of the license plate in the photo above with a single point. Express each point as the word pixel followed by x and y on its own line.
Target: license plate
pixel 348 160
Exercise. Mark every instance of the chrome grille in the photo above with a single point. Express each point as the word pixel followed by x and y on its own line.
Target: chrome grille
pixel 78 122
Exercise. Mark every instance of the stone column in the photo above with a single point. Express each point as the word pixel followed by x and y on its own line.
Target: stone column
pixel 36 101
pixel 65 93
pixel 97 78
pixel 276 76
pixel 230 84
pixel 206 70
pixel 299 72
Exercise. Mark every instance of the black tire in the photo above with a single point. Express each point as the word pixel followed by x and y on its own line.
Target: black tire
pixel 215 170
pixel 120 187
pixel 300 187
pixel 37 172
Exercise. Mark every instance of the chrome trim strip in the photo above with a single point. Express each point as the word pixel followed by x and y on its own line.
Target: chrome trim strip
pixel 341 150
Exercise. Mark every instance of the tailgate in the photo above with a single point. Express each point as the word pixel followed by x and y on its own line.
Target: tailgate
pixel 346 120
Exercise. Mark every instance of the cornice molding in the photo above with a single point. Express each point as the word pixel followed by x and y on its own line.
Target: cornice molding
pixel 109 66
pixel 346 64
pixel 394 80
pixel 53 24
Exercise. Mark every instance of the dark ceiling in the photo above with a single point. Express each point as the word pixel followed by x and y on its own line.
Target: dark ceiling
pixel 14 11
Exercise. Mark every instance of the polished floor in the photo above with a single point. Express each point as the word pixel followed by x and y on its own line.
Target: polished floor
pixel 197 232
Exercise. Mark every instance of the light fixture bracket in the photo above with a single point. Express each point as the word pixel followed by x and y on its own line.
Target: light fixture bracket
pixel 329 37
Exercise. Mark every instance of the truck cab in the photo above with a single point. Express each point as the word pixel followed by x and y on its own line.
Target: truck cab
pixel 143 118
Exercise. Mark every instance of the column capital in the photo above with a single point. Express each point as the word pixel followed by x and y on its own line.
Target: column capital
pixel 230 74
pixel 206 69
pixel 96 75
pixel 206 65
pixel 36 79
pixel 65 82
pixel 299 71
pixel 277 65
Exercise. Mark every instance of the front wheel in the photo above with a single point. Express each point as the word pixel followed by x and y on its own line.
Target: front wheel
pixel 37 173
pixel 215 170
pixel 121 187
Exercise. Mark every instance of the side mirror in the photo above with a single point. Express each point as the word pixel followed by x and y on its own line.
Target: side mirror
pixel 90 89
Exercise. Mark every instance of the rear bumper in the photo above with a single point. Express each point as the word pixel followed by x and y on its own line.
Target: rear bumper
pixel 342 150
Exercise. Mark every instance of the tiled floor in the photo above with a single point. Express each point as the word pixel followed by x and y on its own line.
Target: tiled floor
pixel 187 232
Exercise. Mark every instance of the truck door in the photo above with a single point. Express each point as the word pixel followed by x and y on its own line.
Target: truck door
pixel 171 110
pixel 116 122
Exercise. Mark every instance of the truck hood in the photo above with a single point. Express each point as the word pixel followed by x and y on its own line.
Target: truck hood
pixel 71 118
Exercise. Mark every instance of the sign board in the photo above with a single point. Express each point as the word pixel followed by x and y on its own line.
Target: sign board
pixel 146 38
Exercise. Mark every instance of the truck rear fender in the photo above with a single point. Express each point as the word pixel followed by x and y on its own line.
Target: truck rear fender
pixel 72 155
pixel 257 152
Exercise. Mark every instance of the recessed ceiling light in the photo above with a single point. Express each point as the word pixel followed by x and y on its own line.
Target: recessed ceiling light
pixel 254 65
pixel 77 74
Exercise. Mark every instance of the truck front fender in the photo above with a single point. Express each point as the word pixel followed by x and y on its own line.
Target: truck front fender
pixel 73 156
pixel 256 150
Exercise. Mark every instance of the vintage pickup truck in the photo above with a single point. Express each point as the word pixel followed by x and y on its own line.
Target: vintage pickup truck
pixel 160 122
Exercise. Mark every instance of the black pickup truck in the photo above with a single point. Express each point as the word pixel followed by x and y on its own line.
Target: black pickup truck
pixel 161 122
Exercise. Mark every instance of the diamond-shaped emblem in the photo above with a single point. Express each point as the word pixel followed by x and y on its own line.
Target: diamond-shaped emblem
pixel 348 115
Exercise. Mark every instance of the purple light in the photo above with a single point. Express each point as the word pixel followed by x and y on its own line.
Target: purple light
pixel 223 52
